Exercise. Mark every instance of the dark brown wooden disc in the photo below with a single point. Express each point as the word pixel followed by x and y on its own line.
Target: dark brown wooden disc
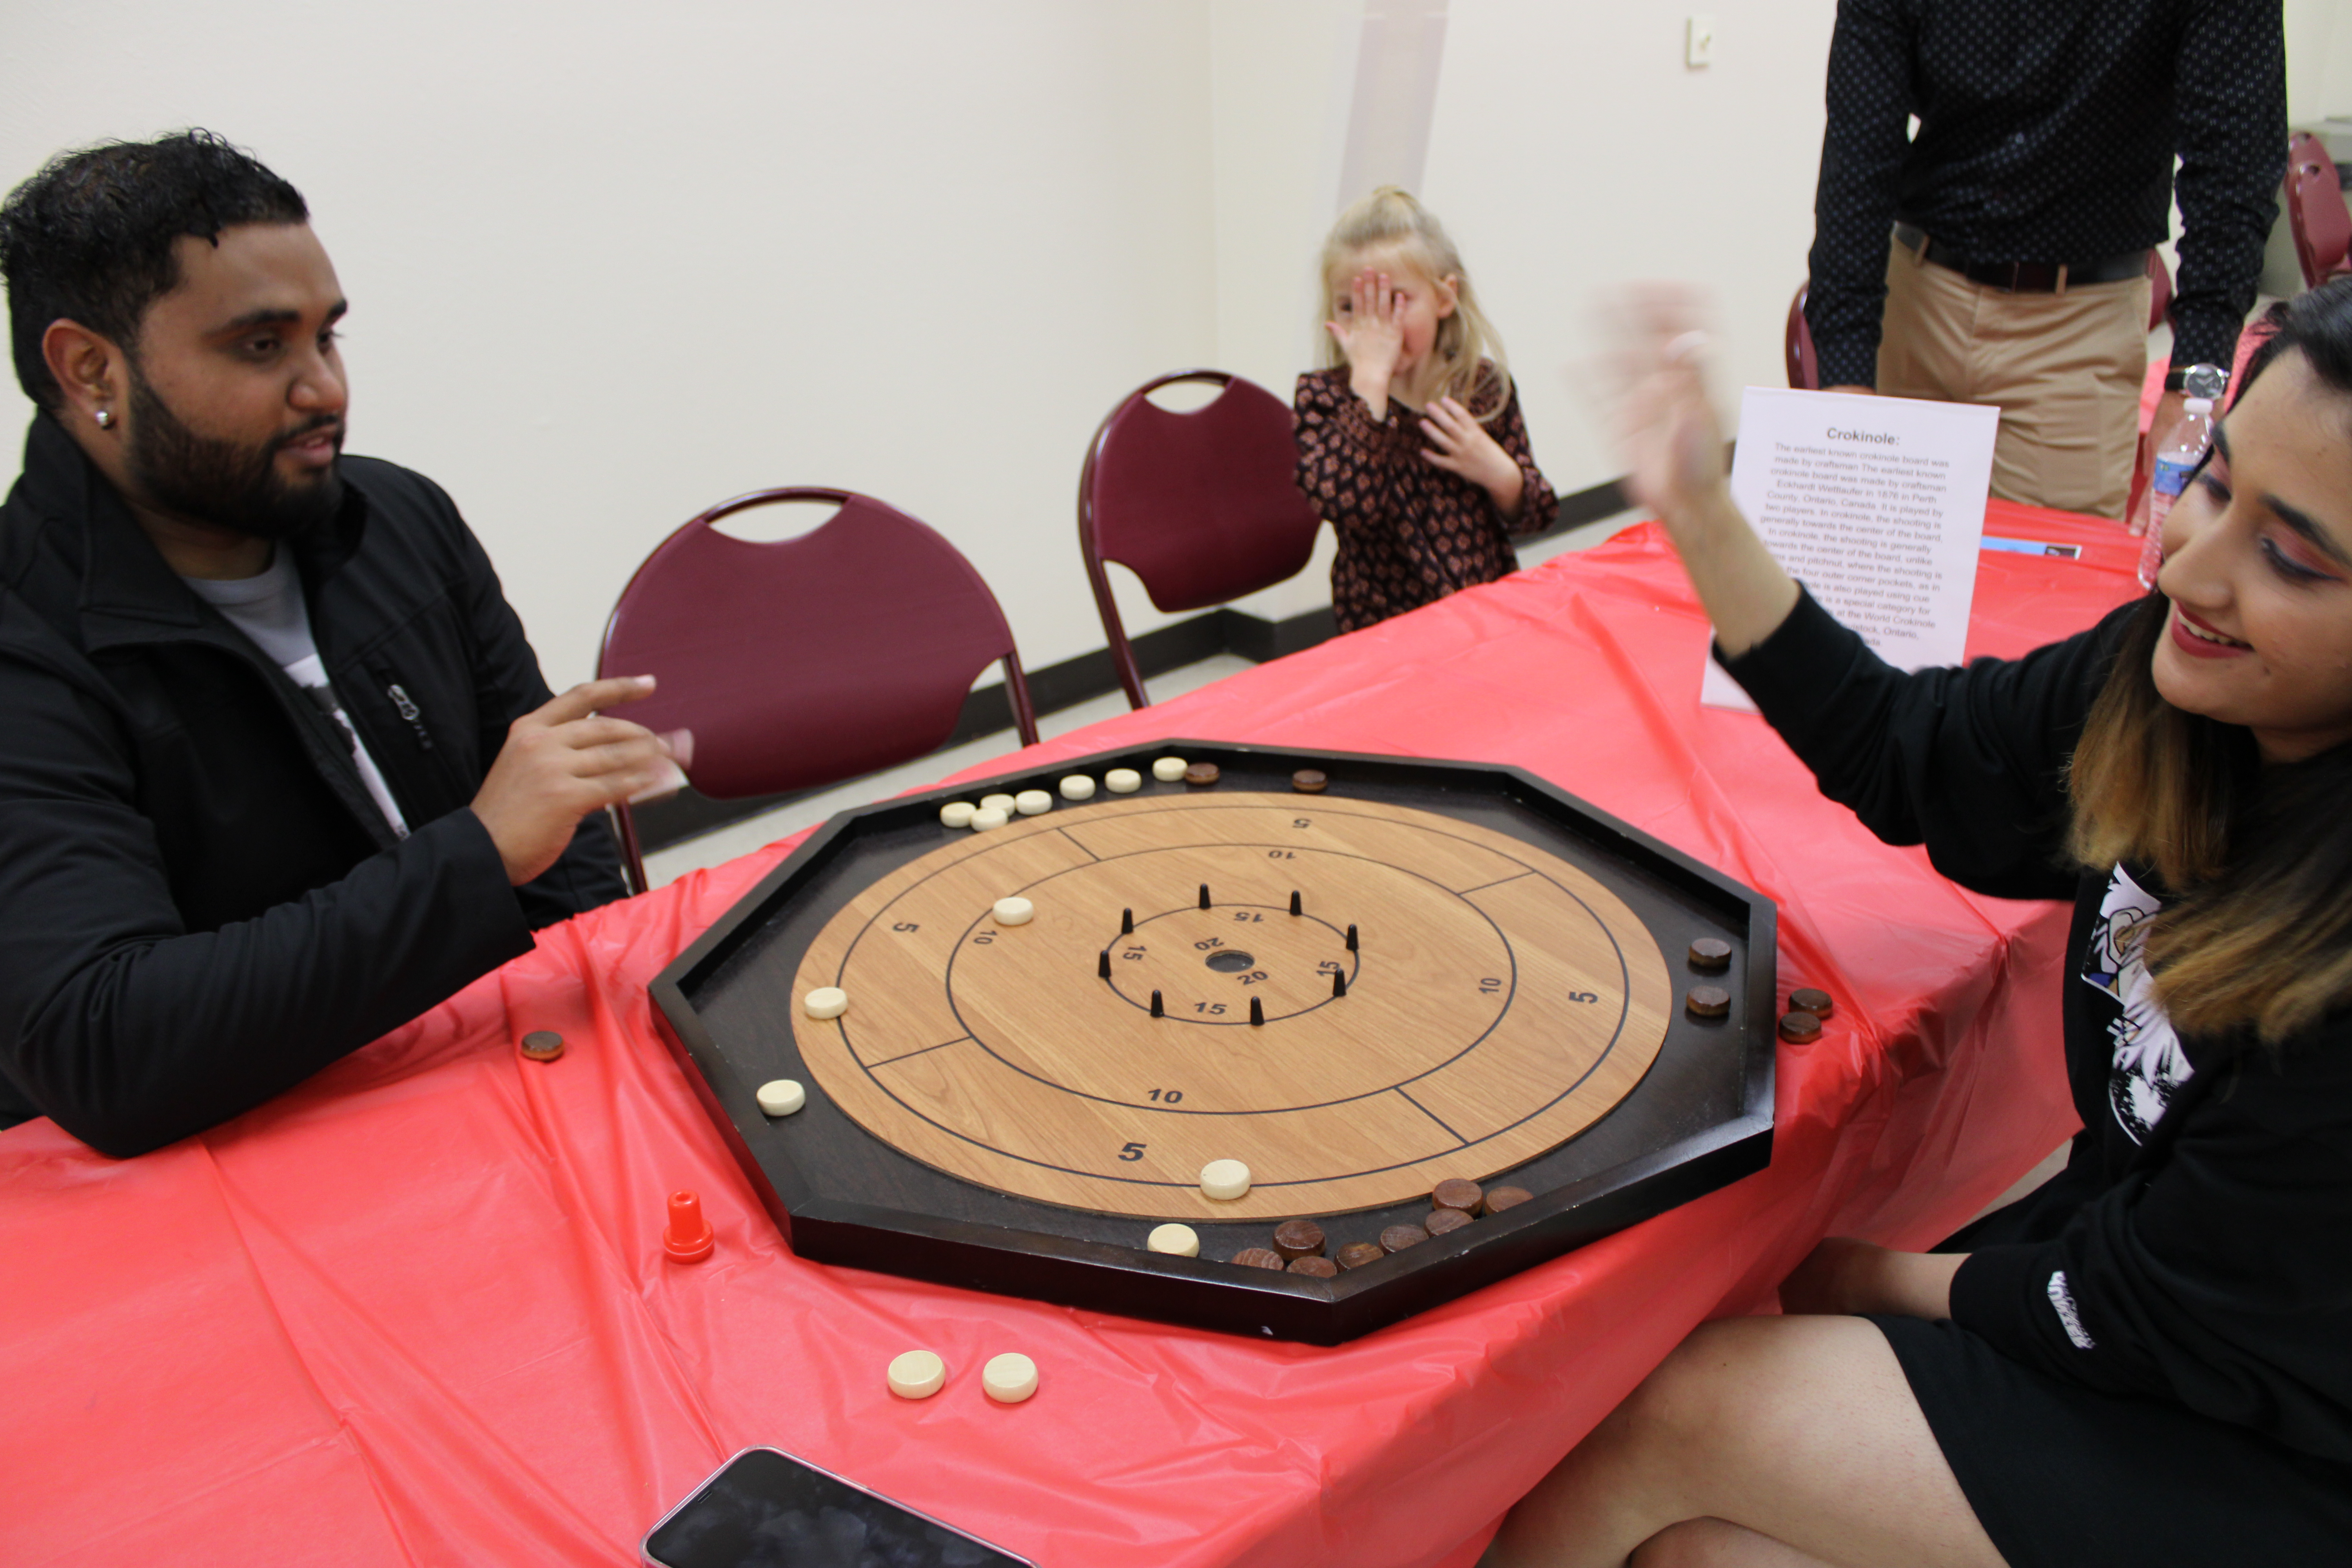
pixel 1397 1237
pixel 1810 1000
pixel 1309 781
pixel 1298 1238
pixel 1355 1254
pixel 542 1045
pixel 1710 955
pixel 1501 1198
pixel 1453 1193
pixel 1445 1222
pixel 1201 773
pixel 1800 1027
pixel 1316 1268
pixel 1707 1001
pixel 1260 1258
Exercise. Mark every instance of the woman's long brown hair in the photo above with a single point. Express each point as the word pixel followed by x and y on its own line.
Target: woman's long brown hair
pixel 2255 863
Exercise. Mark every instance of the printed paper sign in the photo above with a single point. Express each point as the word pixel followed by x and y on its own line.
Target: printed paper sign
pixel 1877 505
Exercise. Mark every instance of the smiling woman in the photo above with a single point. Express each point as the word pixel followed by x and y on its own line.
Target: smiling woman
pixel 2148 1359
pixel 2215 751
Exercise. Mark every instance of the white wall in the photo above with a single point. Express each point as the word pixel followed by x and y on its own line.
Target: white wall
pixel 2318 59
pixel 1573 150
pixel 612 262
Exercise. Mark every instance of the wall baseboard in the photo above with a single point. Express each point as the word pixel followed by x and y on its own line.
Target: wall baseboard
pixel 986 711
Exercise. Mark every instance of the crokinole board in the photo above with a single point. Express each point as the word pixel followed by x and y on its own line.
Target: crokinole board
pixel 1000 1107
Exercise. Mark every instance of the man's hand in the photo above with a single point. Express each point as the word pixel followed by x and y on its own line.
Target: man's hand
pixel 1845 1276
pixel 564 761
pixel 1460 444
pixel 1373 337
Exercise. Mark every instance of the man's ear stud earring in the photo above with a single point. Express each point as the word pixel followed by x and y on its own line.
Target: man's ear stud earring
pixel 105 417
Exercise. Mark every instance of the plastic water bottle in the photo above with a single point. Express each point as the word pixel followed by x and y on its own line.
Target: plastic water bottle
pixel 2177 456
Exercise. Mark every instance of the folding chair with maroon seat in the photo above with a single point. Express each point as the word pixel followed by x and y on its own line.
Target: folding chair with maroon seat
pixel 2315 213
pixel 1202 505
pixel 801 662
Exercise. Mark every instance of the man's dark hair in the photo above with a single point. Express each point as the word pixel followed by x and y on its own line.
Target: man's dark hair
pixel 89 237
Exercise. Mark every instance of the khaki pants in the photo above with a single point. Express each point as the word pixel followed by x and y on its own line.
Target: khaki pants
pixel 2065 370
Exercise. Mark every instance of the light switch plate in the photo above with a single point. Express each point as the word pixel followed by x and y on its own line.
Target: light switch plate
pixel 1698 42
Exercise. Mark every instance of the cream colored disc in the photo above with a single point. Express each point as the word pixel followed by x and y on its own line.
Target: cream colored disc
pixel 916 1374
pixel 1182 1240
pixel 1225 1179
pixel 1010 1378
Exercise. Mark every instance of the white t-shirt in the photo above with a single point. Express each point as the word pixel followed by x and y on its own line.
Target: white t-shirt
pixel 268 608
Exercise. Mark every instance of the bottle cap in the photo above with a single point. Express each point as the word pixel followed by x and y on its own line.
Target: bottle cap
pixel 2205 381
pixel 2199 405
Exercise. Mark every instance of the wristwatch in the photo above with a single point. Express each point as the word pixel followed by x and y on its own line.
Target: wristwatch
pixel 2177 378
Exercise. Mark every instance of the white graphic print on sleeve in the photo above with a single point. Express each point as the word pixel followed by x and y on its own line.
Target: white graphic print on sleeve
pixel 2062 1298
pixel 2148 1063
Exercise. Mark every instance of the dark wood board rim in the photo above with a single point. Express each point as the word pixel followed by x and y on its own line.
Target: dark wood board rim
pixel 1211 1293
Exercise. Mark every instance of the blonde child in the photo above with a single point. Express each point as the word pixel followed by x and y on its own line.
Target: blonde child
pixel 1410 441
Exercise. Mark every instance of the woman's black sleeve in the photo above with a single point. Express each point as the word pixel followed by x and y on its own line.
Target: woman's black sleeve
pixel 1969 762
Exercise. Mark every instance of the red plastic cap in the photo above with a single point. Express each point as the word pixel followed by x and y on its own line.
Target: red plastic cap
pixel 688 1238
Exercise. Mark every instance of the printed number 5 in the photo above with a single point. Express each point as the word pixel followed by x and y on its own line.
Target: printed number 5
pixel 1131 1152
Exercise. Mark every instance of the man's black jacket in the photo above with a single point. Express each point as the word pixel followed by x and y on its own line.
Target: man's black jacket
pixel 200 904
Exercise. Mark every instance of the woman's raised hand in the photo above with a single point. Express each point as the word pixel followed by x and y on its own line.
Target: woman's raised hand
pixel 1672 451
pixel 1667 428
pixel 1371 332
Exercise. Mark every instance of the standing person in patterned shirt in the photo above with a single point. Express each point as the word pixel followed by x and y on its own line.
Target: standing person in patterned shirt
pixel 2025 208
pixel 1411 441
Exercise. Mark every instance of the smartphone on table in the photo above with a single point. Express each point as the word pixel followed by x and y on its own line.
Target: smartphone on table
pixel 764 1509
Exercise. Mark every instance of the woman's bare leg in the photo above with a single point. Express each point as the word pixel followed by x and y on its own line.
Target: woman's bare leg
pixel 1713 1543
pixel 1801 1430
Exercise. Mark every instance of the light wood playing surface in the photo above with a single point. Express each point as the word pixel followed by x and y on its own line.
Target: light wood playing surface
pixel 1501 1002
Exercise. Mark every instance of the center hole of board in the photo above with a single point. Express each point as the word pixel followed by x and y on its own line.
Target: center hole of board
pixel 1231 961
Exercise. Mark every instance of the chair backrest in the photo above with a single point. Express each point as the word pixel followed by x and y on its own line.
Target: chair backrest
pixel 2316 212
pixel 804 661
pixel 1202 506
pixel 1804 365
pixel 2159 290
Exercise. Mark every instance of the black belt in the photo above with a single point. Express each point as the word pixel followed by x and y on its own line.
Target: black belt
pixel 2023 277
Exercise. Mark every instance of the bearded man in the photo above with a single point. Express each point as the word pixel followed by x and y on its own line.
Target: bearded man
pixel 277 768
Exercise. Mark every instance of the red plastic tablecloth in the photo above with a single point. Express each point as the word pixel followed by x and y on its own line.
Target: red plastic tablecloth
pixel 416 1309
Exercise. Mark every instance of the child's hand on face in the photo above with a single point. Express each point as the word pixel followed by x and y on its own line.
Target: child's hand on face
pixel 1460 444
pixel 1371 332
